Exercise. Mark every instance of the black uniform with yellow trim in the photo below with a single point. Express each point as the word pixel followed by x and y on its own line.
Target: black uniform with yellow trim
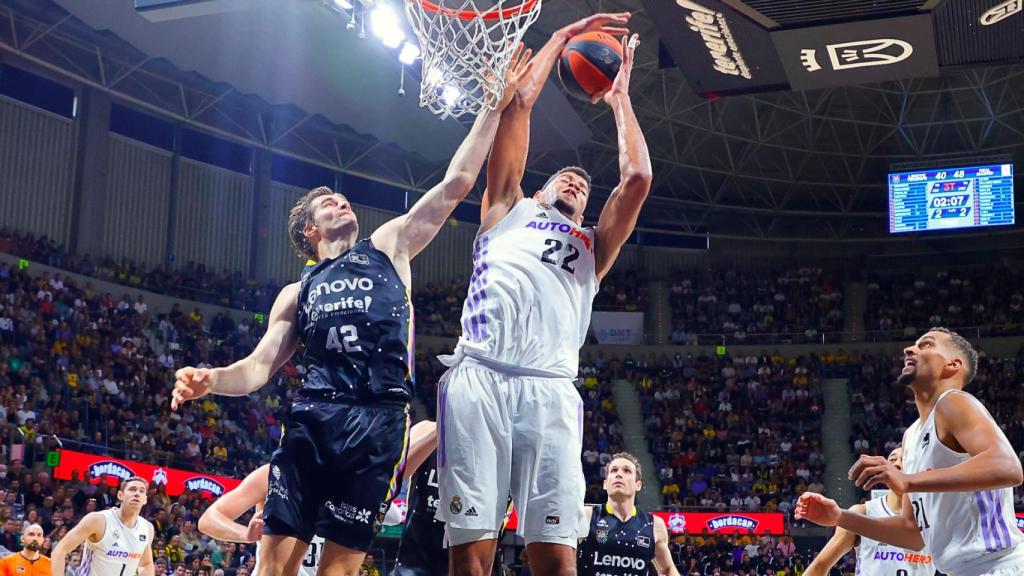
pixel 340 460
pixel 617 548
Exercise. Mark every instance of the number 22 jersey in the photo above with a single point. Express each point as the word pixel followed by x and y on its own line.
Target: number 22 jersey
pixel 531 292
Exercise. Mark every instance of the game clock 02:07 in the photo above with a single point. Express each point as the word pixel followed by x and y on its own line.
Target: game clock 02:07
pixel 951 198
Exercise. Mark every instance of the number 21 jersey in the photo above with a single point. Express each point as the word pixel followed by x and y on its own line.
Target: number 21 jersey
pixel 531 292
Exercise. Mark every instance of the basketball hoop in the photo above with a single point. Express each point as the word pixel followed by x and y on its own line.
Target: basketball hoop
pixel 466 50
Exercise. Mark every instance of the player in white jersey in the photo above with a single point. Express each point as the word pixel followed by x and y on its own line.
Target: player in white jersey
pixel 219 520
pixel 118 542
pixel 874 558
pixel 958 473
pixel 509 416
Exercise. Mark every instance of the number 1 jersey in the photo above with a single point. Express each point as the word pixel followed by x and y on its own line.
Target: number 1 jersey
pixel 531 292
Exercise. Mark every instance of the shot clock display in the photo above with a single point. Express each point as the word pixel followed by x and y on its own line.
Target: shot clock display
pixel 950 198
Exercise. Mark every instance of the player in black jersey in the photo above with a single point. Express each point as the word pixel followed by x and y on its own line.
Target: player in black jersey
pixel 624 541
pixel 421 551
pixel 339 463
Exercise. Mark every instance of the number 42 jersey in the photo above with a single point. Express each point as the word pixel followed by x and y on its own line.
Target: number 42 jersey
pixel 356 322
pixel 531 292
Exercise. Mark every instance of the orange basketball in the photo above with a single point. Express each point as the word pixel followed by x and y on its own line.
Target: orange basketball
pixel 589 64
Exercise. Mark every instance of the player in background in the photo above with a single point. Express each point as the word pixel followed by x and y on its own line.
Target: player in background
pixel 874 558
pixel 624 540
pixel 118 541
pixel 509 416
pixel 340 461
pixel 958 473
pixel 219 521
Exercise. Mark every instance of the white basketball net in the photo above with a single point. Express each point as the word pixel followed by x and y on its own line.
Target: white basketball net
pixel 466 50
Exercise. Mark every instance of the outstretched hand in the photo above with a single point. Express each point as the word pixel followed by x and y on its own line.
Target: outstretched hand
pixel 191 383
pixel 818 509
pixel 620 86
pixel 519 67
pixel 609 23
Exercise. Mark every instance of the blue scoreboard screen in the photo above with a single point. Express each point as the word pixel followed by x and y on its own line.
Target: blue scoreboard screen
pixel 950 198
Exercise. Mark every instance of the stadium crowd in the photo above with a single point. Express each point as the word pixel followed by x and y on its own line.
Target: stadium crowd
pixel 732 433
pixel 988 298
pixel 716 306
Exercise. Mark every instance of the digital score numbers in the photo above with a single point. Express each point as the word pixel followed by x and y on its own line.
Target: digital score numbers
pixel 950 198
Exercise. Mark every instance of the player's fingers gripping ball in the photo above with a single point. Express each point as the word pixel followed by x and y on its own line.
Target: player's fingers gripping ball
pixel 589 64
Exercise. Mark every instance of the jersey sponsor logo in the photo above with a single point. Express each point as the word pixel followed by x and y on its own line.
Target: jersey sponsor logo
pixel 276 487
pixel 356 258
pixel 643 541
pixel 568 229
pixel 346 304
pixel 109 468
pixel 553 520
pixel 142 537
pixel 123 554
pixel 336 286
pixel 348 513
pixel 732 521
pixel 204 484
pixel 616 561
pixel 901 556
pixel 20 569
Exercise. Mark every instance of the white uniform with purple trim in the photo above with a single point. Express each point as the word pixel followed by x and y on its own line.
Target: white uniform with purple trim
pixel 509 417
pixel 876 558
pixel 119 550
pixel 967 533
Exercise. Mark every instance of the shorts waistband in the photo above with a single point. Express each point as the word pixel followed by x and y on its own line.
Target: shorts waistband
pixel 471 357
pixel 334 397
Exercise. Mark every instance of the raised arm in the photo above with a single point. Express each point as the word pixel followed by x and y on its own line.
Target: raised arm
pixel 250 373
pixel 507 162
pixel 618 217
pixel 662 555
pixel 219 520
pixel 841 542
pixel 404 237
pixel 901 531
pixel 91 527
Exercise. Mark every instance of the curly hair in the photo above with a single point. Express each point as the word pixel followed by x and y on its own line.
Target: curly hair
pixel 299 217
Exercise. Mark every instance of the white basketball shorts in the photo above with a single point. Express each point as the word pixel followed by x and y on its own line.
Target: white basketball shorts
pixel 502 434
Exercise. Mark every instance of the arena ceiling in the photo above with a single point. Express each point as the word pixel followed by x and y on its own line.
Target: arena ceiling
pixel 764 162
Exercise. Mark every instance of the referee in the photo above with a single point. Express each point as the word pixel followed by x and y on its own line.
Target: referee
pixel 29 561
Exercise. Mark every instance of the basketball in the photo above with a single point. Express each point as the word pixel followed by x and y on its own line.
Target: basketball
pixel 589 64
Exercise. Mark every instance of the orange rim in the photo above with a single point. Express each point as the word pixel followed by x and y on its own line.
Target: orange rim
pixel 489 15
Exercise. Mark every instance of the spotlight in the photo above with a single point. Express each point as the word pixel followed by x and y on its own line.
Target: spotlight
pixel 450 95
pixel 410 52
pixel 384 23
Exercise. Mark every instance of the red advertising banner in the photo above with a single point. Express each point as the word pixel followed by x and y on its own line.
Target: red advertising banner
pixel 115 470
pixel 723 522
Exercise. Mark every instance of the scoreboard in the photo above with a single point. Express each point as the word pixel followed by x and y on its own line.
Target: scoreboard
pixel 951 198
